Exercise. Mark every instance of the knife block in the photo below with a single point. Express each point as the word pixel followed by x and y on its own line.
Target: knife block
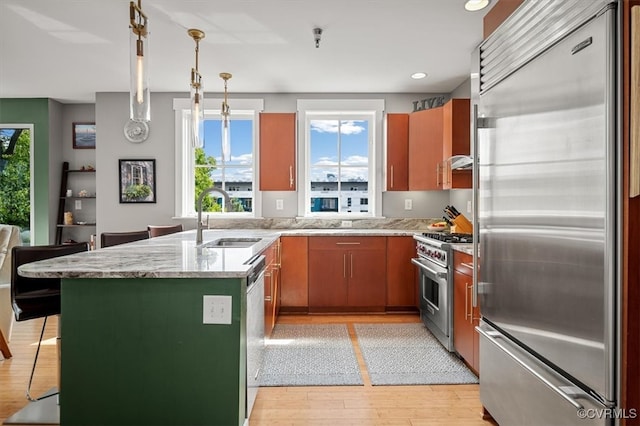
pixel 463 226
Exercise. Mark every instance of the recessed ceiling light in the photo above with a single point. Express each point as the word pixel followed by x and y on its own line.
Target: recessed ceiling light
pixel 418 75
pixel 473 5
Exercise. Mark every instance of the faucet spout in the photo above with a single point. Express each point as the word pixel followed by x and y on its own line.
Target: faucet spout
pixel 227 203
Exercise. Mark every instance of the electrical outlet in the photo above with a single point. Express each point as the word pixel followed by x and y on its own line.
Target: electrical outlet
pixel 408 204
pixel 78 204
pixel 347 224
pixel 279 204
pixel 469 206
pixel 216 309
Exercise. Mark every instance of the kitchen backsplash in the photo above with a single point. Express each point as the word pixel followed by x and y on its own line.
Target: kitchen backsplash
pixel 304 223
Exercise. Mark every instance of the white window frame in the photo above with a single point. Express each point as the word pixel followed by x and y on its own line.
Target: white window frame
pixel 185 160
pixel 309 109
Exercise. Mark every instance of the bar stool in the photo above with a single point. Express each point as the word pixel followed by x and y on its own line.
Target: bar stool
pixel 158 230
pixel 108 239
pixel 37 297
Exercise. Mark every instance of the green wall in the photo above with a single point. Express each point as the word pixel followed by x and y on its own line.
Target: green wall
pixel 36 112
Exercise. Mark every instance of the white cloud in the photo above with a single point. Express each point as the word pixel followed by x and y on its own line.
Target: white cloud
pixel 348 127
pixel 356 160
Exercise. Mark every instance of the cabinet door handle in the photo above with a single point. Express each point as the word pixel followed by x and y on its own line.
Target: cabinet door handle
pixel 468 265
pixel 351 265
pixel 466 302
pixel 344 265
pixel 290 176
pixel 392 176
pixel 466 293
pixel 348 243
pixel 438 167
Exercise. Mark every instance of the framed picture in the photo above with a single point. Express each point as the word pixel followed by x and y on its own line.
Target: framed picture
pixel 84 135
pixel 137 181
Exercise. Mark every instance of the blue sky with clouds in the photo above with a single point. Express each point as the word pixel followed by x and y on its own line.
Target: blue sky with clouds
pixel 351 149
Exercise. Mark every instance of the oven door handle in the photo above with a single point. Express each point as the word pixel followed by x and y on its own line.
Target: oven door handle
pixel 435 273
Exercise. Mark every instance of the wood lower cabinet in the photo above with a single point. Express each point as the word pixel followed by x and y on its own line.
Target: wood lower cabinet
pixel 271 287
pixel 402 287
pixel 347 273
pixel 465 315
pixel 294 278
pixel 277 151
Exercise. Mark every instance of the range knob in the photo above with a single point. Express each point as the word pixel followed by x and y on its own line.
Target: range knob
pixel 438 255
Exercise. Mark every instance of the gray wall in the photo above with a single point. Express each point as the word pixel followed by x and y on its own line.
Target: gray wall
pixel 111 113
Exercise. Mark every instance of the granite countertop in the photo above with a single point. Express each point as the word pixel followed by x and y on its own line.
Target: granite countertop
pixel 177 256
pixel 463 248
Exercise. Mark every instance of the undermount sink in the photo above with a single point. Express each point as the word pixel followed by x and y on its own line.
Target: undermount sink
pixel 232 242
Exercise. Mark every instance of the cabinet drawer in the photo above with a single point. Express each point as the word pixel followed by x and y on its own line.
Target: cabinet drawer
pixel 347 243
pixel 463 263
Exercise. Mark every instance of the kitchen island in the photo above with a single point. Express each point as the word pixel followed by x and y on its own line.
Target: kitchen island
pixel 134 348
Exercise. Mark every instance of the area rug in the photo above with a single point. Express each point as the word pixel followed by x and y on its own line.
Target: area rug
pixel 309 355
pixel 408 354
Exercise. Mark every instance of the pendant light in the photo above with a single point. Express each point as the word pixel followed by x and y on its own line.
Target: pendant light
pixel 226 124
pixel 197 96
pixel 139 96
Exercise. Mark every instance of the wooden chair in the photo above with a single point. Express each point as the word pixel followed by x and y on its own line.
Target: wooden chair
pixel 158 230
pixel 108 239
pixel 37 297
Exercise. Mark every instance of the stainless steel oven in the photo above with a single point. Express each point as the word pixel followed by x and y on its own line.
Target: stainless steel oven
pixel 435 282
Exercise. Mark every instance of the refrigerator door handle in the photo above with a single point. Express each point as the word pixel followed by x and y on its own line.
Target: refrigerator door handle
pixel 493 336
pixel 476 220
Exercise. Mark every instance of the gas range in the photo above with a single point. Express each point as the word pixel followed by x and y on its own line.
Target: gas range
pixel 435 281
pixel 435 246
pixel 447 237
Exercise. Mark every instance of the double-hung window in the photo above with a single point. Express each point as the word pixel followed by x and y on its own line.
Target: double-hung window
pixel 200 168
pixel 341 145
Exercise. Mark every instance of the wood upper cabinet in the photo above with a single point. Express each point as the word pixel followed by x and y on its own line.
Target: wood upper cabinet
pixel 294 278
pixel 465 316
pixel 498 13
pixel 277 151
pixel 456 138
pixel 425 149
pixel 402 282
pixel 397 152
pixel 347 273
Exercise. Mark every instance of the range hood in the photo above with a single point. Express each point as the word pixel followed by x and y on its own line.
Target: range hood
pixel 461 162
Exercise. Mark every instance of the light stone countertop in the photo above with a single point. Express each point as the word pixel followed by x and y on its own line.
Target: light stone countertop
pixel 463 248
pixel 177 256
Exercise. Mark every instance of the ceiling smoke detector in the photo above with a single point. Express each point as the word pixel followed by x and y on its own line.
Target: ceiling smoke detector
pixel 317 33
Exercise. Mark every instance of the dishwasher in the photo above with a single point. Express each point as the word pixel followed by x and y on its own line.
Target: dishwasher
pixel 255 328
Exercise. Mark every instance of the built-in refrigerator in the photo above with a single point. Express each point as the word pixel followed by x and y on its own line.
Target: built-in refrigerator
pixel 548 188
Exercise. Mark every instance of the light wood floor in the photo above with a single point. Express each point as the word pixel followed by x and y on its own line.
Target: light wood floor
pixel 319 405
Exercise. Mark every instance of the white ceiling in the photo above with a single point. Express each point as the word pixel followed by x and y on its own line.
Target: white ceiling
pixel 70 49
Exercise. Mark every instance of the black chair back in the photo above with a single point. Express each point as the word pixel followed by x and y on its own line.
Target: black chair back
pixel 158 230
pixel 37 297
pixel 108 239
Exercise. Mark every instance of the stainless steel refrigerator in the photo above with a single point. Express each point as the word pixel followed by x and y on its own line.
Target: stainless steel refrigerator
pixel 547 146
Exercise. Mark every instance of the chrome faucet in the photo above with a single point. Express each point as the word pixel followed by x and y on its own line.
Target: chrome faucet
pixel 227 203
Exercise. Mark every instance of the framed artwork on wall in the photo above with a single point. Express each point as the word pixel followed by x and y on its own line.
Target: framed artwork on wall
pixel 137 181
pixel 84 135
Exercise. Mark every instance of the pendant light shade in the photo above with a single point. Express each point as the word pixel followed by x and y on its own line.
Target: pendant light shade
pixel 226 123
pixel 197 96
pixel 139 95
